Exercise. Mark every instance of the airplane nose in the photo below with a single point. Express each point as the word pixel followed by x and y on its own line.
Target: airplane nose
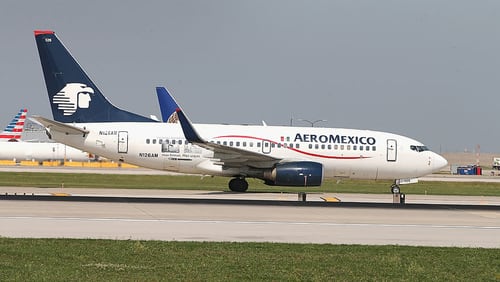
pixel 438 162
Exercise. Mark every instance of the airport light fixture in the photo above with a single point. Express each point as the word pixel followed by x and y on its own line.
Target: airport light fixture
pixel 312 122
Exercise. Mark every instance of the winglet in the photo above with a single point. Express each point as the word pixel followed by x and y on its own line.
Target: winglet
pixel 188 129
pixel 168 106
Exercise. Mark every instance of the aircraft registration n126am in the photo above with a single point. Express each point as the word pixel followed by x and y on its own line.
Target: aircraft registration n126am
pixel 279 155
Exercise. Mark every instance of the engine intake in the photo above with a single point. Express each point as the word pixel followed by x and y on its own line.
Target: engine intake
pixel 295 174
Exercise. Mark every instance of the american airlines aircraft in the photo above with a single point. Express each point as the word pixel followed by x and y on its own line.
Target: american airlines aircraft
pixel 14 130
pixel 19 150
pixel 279 155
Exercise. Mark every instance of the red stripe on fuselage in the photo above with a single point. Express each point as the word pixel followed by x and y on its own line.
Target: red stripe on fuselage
pixel 293 149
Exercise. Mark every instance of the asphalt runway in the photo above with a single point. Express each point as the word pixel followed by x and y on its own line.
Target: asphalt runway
pixel 257 217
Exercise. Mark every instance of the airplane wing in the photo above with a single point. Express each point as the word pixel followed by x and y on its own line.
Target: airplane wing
pixel 229 156
pixel 59 126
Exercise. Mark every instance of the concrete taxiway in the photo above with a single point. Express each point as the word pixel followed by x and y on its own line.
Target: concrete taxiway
pixel 258 217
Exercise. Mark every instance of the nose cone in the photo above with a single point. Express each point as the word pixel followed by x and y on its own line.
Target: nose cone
pixel 438 162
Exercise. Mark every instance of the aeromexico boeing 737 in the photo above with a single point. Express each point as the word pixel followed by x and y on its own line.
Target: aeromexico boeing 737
pixel 279 155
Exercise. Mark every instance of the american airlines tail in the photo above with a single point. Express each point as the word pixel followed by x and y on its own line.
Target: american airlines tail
pixel 74 97
pixel 14 130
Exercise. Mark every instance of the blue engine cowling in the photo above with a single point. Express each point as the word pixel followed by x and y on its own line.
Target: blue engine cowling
pixel 296 174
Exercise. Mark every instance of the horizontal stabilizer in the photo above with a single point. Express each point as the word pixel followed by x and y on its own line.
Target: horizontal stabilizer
pixel 59 126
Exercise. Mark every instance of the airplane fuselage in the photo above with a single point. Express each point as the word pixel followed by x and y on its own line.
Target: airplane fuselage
pixel 348 153
pixel 40 151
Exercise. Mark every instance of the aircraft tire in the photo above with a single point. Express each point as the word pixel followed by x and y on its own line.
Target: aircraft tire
pixel 395 189
pixel 238 185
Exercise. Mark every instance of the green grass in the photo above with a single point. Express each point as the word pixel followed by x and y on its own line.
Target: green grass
pixel 107 260
pixel 75 180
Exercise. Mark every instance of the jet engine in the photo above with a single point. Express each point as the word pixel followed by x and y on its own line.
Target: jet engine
pixel 301 173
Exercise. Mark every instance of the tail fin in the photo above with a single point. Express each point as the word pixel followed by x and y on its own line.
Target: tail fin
pixel 168 106
pixel 72 94
pixel 14 130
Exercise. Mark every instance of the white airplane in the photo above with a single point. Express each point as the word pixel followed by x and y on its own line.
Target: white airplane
pixel 14 130
pixel 41 151
pixel 18 150
pixel 279 155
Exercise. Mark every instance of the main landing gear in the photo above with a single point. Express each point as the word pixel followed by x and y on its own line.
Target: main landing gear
pixel 238 184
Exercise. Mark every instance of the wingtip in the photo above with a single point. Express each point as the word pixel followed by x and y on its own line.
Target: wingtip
pixel 41 32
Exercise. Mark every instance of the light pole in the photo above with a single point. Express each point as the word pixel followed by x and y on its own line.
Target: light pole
pixel 312 122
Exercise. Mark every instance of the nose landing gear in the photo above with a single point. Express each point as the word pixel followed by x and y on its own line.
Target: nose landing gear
pixel 397 196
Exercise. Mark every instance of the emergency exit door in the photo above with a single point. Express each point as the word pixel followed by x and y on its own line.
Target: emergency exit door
pixel 122 142
pixel 392 150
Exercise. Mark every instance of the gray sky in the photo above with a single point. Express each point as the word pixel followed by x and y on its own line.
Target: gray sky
pixel 429 70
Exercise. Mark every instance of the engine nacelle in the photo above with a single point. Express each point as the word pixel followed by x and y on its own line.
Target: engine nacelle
pixel 295 174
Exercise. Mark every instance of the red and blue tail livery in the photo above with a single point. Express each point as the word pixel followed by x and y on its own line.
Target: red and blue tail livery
pixel 14 130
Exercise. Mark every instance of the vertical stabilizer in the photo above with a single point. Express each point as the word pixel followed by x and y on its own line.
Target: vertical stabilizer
pixel 73 95
pixel 14 130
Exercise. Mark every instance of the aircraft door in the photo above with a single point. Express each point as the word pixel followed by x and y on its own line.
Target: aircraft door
pixel 266 147
pixel 392 150
pixel 122 141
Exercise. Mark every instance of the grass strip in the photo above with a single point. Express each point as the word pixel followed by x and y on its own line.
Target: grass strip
pixel 109 260
pixel 84 180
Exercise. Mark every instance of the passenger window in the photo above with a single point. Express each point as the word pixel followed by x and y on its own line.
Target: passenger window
pixel 258 144
pixel 316 146
pixel 251 144
pixel 147 141
pixel 341 147
pixel 237 143
pixel 368 148
pixel 244 144
pixel 297 146
pixel 354 147
pixel 224 143
pixel 348 147
pixel 322 146
pixel 336 147
pixel 374 148
pixel 310 146
pixel 154 141
pixel 361 148
pixel 231 143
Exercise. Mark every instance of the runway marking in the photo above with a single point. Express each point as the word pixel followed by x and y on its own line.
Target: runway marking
pixel 253 222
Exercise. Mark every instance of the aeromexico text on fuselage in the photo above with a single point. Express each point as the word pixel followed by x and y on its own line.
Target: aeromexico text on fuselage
pixel 308 138
pixel 336 139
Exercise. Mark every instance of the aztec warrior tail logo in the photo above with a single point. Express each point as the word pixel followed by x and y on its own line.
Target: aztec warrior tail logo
pixel 72 97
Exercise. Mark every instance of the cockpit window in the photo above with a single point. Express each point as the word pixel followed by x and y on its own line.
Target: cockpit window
pixel 418 148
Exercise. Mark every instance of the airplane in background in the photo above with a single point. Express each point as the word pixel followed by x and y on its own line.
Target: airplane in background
pixel 13 148
pixel 14 130
pixel 278 155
